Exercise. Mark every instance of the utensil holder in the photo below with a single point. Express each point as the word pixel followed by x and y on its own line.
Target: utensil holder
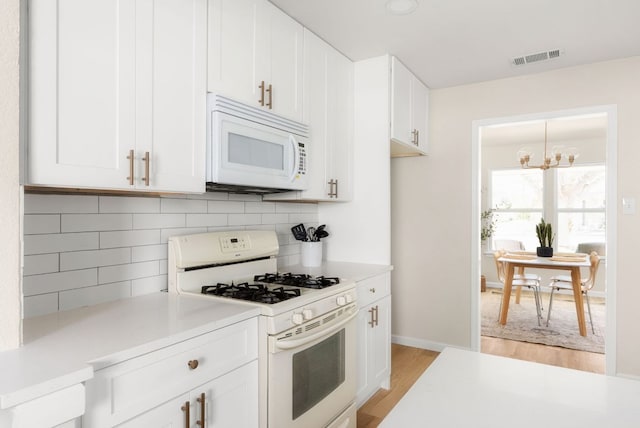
pixel 311 253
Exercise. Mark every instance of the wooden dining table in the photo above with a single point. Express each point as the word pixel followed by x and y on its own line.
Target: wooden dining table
pixel 569 262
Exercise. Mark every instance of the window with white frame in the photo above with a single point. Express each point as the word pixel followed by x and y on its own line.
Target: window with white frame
pixel 517 197
pixel 571 199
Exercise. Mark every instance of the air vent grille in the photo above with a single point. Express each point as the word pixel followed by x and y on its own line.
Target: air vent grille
pixel 536 57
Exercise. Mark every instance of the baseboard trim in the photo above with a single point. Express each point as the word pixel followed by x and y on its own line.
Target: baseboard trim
pixel 424 344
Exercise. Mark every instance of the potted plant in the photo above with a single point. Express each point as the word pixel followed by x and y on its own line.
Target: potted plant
pixel 545 237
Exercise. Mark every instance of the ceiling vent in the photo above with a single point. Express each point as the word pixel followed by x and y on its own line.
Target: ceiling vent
pixel 536 57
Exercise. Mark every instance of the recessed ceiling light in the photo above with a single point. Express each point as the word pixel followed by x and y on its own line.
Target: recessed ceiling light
pixel 401 7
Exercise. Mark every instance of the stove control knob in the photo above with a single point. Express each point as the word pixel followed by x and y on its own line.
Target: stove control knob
pixel 341 301
pixel 307 314
pixel 297 318
pixel 349 297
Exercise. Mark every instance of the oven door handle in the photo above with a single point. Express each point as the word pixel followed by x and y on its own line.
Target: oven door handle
pixel 295 343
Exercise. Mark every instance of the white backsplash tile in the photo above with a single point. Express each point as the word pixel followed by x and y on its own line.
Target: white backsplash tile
pixel 158 221
pixel 87 259
pixel 129 238
pixel 41 223
pixel 227 207
pixel 244 219
pixel 59 204
pixel 148 252
pixel 42 263
pixel 206 220
pixel 125 204
pixel 52 282
pixel 182 206
pixel 60 242
pixel 95 222
pixel 41 304
pixel 108 274
pixel 119 248
pixel 72 299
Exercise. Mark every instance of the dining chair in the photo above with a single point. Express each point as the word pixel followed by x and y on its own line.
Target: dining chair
pixel 530 281
pixel 563 282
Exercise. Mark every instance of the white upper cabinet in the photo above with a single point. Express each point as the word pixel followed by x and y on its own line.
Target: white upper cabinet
pixel 328 109
pixel 255 55
pixel 409 112
pixel 110 78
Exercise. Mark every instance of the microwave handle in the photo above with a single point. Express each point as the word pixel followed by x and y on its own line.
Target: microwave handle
pixel 296 157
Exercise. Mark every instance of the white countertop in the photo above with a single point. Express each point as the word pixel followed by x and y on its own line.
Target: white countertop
pixel 469 389
pixel 64 348
pixel 354 271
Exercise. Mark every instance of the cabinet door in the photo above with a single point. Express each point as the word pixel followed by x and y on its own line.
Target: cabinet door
pixel 364 387
pixel 81 97
pixel 230 400
pixel 235 49
pixel 420 113
pixel 381 342
pixel 400 102
pixel 171 414
pixel 284 69
pixel 340 124
pixel 171 94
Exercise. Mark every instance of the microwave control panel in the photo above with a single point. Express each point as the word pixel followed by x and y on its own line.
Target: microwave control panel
pixel 302 165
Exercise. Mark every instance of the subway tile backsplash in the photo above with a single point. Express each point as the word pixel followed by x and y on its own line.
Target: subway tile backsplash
pixel 82 250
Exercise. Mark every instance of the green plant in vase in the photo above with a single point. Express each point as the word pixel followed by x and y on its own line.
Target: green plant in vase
pixel 545 237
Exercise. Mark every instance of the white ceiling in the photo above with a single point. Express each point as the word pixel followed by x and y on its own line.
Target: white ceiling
pixel 454 42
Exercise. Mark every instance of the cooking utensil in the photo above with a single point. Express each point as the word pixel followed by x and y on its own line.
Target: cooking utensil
pixel 311 233
pixel 321 233
pixel 299 232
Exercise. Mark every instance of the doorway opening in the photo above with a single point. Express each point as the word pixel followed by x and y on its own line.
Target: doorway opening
pixel 580 203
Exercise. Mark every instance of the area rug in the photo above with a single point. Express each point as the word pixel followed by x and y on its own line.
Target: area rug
pixel 522 324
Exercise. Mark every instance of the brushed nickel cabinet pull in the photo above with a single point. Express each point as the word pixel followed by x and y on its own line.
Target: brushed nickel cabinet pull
pixel 270 90
pixel 414 138
pixel 130 177
pixel 202 409
pixel 371 323
pixel 185 409
pixel 146 160
pixel 261 100
pixel 193 364
pixel 417 137
pixel 376 312
pixel 333 188
pixel 335 194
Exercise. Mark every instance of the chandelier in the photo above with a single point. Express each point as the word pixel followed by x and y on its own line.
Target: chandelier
pixel 556 155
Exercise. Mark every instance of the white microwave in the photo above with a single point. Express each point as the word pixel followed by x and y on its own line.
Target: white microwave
pixel 253 150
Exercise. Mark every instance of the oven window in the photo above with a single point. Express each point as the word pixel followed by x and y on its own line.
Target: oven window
pixel 317 371
pixel 254 152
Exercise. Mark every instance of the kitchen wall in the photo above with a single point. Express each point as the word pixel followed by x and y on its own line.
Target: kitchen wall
pixel 82 249
pixel 10 215
pixel 431 200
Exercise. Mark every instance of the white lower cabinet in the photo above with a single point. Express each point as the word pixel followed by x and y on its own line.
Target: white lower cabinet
pixel 211 379
pixel 374 336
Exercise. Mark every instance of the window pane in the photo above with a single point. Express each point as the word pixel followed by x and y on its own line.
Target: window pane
pixel 520 226
pixel 516 188
pixel 581 187
pixel 574 228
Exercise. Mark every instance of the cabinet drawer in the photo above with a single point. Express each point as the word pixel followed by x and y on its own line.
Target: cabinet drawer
pixel 372 289
pixel 124 390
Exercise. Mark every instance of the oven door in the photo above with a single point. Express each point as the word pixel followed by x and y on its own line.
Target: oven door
pixel 312 377
pixel 248 153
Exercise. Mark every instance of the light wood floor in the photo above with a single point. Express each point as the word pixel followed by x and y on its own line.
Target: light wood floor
pixel 407 364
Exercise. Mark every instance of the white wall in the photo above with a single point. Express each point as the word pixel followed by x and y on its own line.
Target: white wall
pixel 431 199
pixel 82 250
pixel 10 323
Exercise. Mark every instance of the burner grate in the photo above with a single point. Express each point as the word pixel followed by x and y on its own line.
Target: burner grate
pixel 251 292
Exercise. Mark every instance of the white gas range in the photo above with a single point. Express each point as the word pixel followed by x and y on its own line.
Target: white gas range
pixel 308 343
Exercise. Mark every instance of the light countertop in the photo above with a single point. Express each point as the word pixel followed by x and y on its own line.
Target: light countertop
pixel 64 348
pixel 469 389
pixel 354 271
